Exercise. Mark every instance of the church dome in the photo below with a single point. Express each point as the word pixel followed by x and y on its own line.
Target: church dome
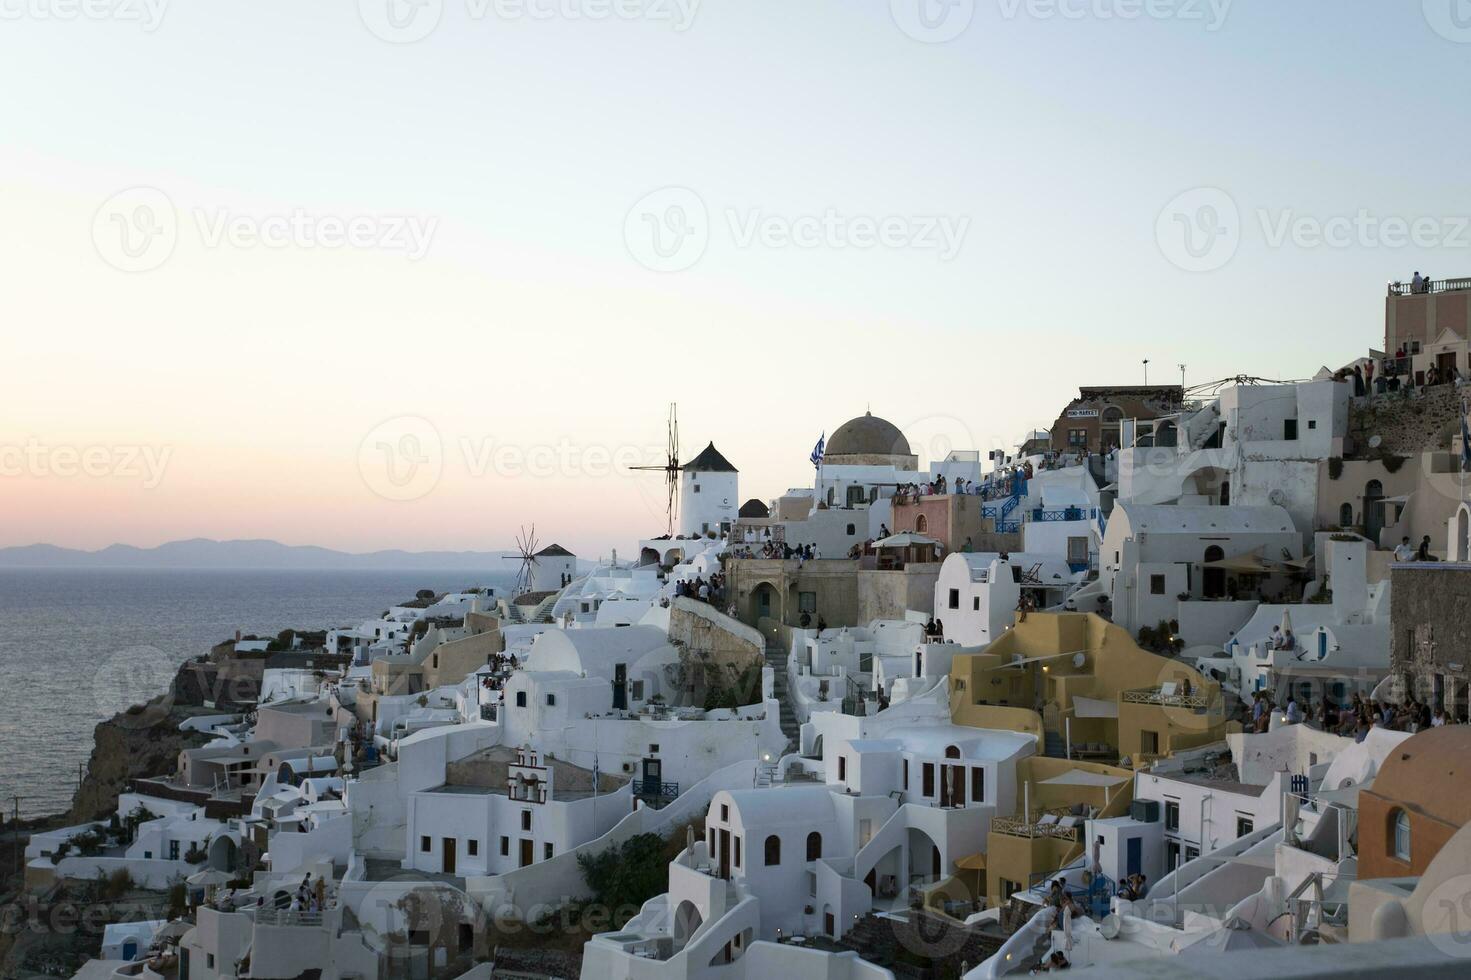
pixel 868 435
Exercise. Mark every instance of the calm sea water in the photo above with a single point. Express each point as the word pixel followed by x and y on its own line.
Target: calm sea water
pixel 77 646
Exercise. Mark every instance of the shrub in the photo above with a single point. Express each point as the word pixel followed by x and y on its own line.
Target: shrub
pixel 117 884
pixel 1393 463
pixel 623 877
pixel 1335 467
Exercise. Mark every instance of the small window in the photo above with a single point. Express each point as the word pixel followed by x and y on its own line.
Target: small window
pixel 773 851
pixel 520 699
pixel 954 598
pixel 852 530
pixel 842 768
pixel 1289 429
pixel 525 819
pixel 1156 585
pixel 697 487
pixel 814 846
pixel 1312 423
pixel 546 851
pixel 978 785
pixel 653 748
pixel 505 847
pixel 906 775
pixel 472 847
pixel 551 700
pixel 807 602
pixel 975 603
pixel 1244 825
pixel 1172 814
pixel 209 960
pixel 724 813
pixel 1401 828
pixel 424 844
pixel 737 851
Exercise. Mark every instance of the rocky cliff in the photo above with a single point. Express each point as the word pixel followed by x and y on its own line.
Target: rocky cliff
pixel 143 741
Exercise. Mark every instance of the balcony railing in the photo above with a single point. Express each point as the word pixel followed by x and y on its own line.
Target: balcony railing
pixel 287 918
pixel 1154 695
pixel 1429 287
pixel 1016 827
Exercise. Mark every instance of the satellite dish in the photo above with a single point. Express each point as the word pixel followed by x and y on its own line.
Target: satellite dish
pixel 1374 441
pixel 1110 927
pixel 1079 659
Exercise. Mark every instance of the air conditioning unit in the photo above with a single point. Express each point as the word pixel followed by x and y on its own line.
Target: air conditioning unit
pixel 1145 811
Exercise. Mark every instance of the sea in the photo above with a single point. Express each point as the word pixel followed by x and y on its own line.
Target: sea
pixel 79 645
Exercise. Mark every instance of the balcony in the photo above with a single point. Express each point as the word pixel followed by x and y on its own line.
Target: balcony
pixel 1430 287
pixel 1050 825
pixel 1155 695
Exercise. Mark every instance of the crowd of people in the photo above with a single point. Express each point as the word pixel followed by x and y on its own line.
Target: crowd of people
pixel 1408 552
pixel 711 590
pixel 779 550
pixel 1356 719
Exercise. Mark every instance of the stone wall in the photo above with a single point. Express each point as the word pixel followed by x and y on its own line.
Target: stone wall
pixel 1406 423
pixel 1431 634
pixel 715 650
pixel 889 594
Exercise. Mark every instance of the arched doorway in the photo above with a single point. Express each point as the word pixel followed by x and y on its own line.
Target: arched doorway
pixel 764 602
pixel 1213 580
pixel 687 919
pixel 1165 434
pixel 921 524
pixel 648 556
pixel 1109 431
pixel 1373 510
pixel 130 950
pixel 1462 549
pixel 223 854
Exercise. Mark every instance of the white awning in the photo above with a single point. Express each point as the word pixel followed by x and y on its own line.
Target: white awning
pixel 1081 777
pixel 1094 707
pixel 905 539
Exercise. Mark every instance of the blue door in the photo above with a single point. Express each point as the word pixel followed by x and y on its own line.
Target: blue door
pixel 1135 856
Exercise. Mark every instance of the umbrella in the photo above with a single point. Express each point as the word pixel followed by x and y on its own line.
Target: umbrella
pixel 1236 935
pixel 210 877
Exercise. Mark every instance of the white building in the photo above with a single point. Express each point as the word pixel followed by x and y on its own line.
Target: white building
pixel 709 494
pixel 1153 555
pixel 555 568
pixel 976 595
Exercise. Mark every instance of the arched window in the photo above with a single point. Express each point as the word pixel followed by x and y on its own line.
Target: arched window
pixel 952 751
pixel 921 524
pixel 1400 829
pixel 773 851
pixel 1346 515
pixel 814 846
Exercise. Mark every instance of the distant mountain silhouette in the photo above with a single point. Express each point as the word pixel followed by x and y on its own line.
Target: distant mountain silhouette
pixel 262 554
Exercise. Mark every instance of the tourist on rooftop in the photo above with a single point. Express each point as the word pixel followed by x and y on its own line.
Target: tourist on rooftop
pixel 1405 551
pixel 1423 554
pixel 1294 712
pixel 1417 284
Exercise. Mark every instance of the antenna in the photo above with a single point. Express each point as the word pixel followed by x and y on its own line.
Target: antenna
pixel 671 467
pixel 1146 372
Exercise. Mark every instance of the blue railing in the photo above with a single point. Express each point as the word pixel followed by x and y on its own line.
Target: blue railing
pixel 656 789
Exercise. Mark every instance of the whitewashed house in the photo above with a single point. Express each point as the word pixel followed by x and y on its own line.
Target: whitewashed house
pixel 976 594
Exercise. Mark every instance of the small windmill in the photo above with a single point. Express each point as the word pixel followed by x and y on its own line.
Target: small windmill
pixel 526 546
pixel 671 467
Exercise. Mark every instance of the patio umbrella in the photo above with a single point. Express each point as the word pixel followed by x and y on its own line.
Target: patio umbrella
pixel 210 876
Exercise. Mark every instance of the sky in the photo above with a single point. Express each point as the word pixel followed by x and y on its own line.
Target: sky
pixel 414 273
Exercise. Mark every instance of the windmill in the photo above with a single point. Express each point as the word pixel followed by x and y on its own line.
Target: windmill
pixel 526 545
pixel 670 468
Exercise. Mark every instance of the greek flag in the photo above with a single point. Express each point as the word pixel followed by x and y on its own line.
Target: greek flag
pixel 817 450
pixel 1465 436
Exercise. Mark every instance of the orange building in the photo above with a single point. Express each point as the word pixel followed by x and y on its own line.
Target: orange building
pixel 1420 798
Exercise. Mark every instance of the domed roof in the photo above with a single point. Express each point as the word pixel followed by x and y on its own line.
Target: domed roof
pixel 754 508
pixel 1426 772
pixel 867 435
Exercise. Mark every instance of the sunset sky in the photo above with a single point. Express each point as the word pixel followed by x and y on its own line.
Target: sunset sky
pixel 271 265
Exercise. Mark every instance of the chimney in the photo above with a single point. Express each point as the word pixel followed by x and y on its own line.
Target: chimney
pixel 237 636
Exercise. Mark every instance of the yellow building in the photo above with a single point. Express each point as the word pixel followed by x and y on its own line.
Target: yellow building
pixel 1099 707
